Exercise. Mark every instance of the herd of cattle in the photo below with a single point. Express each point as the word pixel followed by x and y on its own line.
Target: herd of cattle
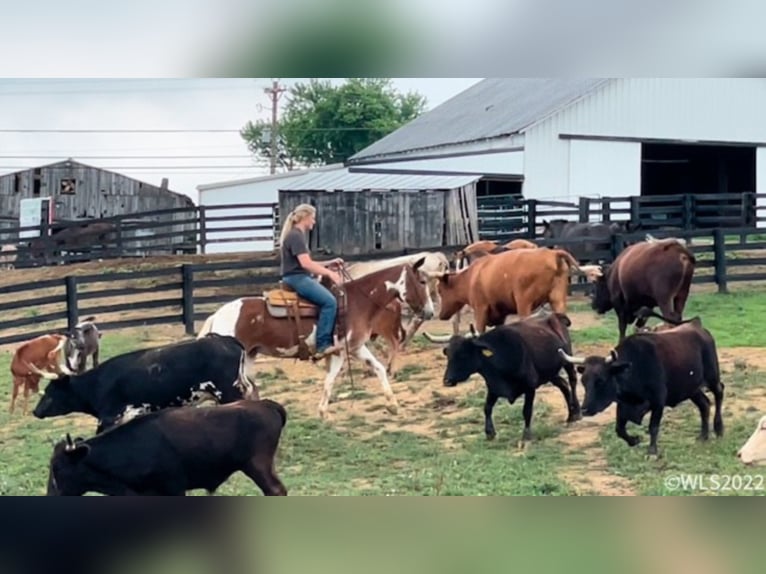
pixel 148 440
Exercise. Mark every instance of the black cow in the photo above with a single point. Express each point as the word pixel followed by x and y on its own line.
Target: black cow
pixel 151 379
pixel 595 237
pixel 514 360
pixel 172 451
pixel 651 371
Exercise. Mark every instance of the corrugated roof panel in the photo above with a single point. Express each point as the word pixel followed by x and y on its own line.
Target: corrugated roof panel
pixel 343 180
pixel 491 108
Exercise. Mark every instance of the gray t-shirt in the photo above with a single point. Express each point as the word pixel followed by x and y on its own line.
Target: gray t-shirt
pixel 293 245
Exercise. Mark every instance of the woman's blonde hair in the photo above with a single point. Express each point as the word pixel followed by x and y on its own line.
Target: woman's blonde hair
pixel 298 214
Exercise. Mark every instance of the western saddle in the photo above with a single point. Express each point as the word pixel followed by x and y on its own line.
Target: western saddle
pixel 284 303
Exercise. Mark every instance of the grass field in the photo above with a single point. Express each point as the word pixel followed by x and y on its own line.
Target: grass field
pixel 436 444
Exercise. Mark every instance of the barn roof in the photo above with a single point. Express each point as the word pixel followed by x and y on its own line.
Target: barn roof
pixel 492 108
pixel 345 180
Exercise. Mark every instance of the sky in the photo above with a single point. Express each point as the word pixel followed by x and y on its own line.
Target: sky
pixel 48 120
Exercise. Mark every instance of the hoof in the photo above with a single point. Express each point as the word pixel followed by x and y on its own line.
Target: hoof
pixel 633 440
pixel 392 408
pixel 574 418
pixel 703 437
pixel 491 436
pixel 521 445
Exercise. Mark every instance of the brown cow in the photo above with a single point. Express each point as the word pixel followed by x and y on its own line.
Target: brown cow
pixel 255 323
pixel 656 273
pixel 479 249
pixel 516 281
pixel 45 353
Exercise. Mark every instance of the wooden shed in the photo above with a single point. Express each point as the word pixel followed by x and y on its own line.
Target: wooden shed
pixel 83 192
pixel 362 212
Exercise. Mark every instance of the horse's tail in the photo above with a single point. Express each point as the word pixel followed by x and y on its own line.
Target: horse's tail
pixel 207 326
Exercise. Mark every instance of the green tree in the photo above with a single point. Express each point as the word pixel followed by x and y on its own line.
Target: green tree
pixel 322 123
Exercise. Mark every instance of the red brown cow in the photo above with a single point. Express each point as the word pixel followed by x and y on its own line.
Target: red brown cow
pixel 479 249
pixel 516 281
pixel 653 274
pixel 45 353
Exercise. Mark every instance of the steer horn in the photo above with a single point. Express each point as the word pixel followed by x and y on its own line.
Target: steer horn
pixel 43 374
pixel 612 357
pixel 437 338
pixel 571 359
pixel 69 443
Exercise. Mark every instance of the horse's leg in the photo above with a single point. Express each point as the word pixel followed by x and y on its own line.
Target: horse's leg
pixel 415 324
pixel 336 362
pixel 366 355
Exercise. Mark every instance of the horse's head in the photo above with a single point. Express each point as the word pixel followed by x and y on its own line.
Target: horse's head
pixel 411 288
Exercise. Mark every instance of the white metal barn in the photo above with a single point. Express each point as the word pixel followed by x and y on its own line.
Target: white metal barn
pixel 565 138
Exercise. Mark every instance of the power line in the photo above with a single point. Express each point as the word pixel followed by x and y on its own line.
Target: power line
pixel 165 131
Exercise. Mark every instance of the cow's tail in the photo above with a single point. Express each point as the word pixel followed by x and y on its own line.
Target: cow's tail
pixel 207 326
pixel 566 257
pixel 645 312
pixel 248 386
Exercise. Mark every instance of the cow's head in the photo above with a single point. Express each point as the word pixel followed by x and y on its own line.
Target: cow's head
pixel 65 475
pixel 450 295
pixel 74 348
pixel 600 377
pixel 465 356
pixel 59 398
pixel 601 300
pixel 554 228
pixel 754 450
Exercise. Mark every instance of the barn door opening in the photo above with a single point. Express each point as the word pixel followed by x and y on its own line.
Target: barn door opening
pixel 681 169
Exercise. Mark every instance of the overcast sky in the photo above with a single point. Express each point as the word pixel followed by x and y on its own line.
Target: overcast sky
pixel 187 159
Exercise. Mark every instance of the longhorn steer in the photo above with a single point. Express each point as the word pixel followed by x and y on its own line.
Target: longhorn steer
pixel 656 273
pixel 651 371
pixel 151 379
pixel 516 281
pixel 169 452
pixel 47 353
pixel 515 360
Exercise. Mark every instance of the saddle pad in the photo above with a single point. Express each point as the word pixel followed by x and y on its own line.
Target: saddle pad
pixel 281 298
pixel 280 311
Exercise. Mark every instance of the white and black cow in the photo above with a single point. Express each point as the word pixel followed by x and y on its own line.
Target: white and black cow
pixel 125 386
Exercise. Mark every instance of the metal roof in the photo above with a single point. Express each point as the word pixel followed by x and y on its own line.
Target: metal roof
pixel 343 180
pixel 492 108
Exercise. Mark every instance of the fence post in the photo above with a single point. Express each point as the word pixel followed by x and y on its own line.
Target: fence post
pixel 618 244
pixel 202 229
pixel 719 250
pixel 635 211
pixel 120 243
pixel 187 295
pixel 688 211
pixel 72 313
pixel 531 219
pixel 584 210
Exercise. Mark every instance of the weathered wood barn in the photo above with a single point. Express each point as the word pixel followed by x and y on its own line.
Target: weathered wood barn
pixel 366 212
pixel 85 192
pixel 82 192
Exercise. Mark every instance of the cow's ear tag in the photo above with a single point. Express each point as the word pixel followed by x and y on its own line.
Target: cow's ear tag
pixel 487 352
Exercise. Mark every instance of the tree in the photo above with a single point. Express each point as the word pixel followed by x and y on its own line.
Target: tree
pixel 322 123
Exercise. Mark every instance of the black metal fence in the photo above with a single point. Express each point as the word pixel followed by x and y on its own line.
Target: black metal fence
pixel 505 217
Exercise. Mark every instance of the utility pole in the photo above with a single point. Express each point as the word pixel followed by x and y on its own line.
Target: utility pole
pixel 274 91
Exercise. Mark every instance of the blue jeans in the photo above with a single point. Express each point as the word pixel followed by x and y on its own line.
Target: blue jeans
pixel 309 288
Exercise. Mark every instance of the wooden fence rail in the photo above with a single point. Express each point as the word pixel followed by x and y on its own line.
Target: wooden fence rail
pixel 190 292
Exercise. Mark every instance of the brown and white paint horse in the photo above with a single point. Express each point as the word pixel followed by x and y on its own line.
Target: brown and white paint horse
pixel 248 320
